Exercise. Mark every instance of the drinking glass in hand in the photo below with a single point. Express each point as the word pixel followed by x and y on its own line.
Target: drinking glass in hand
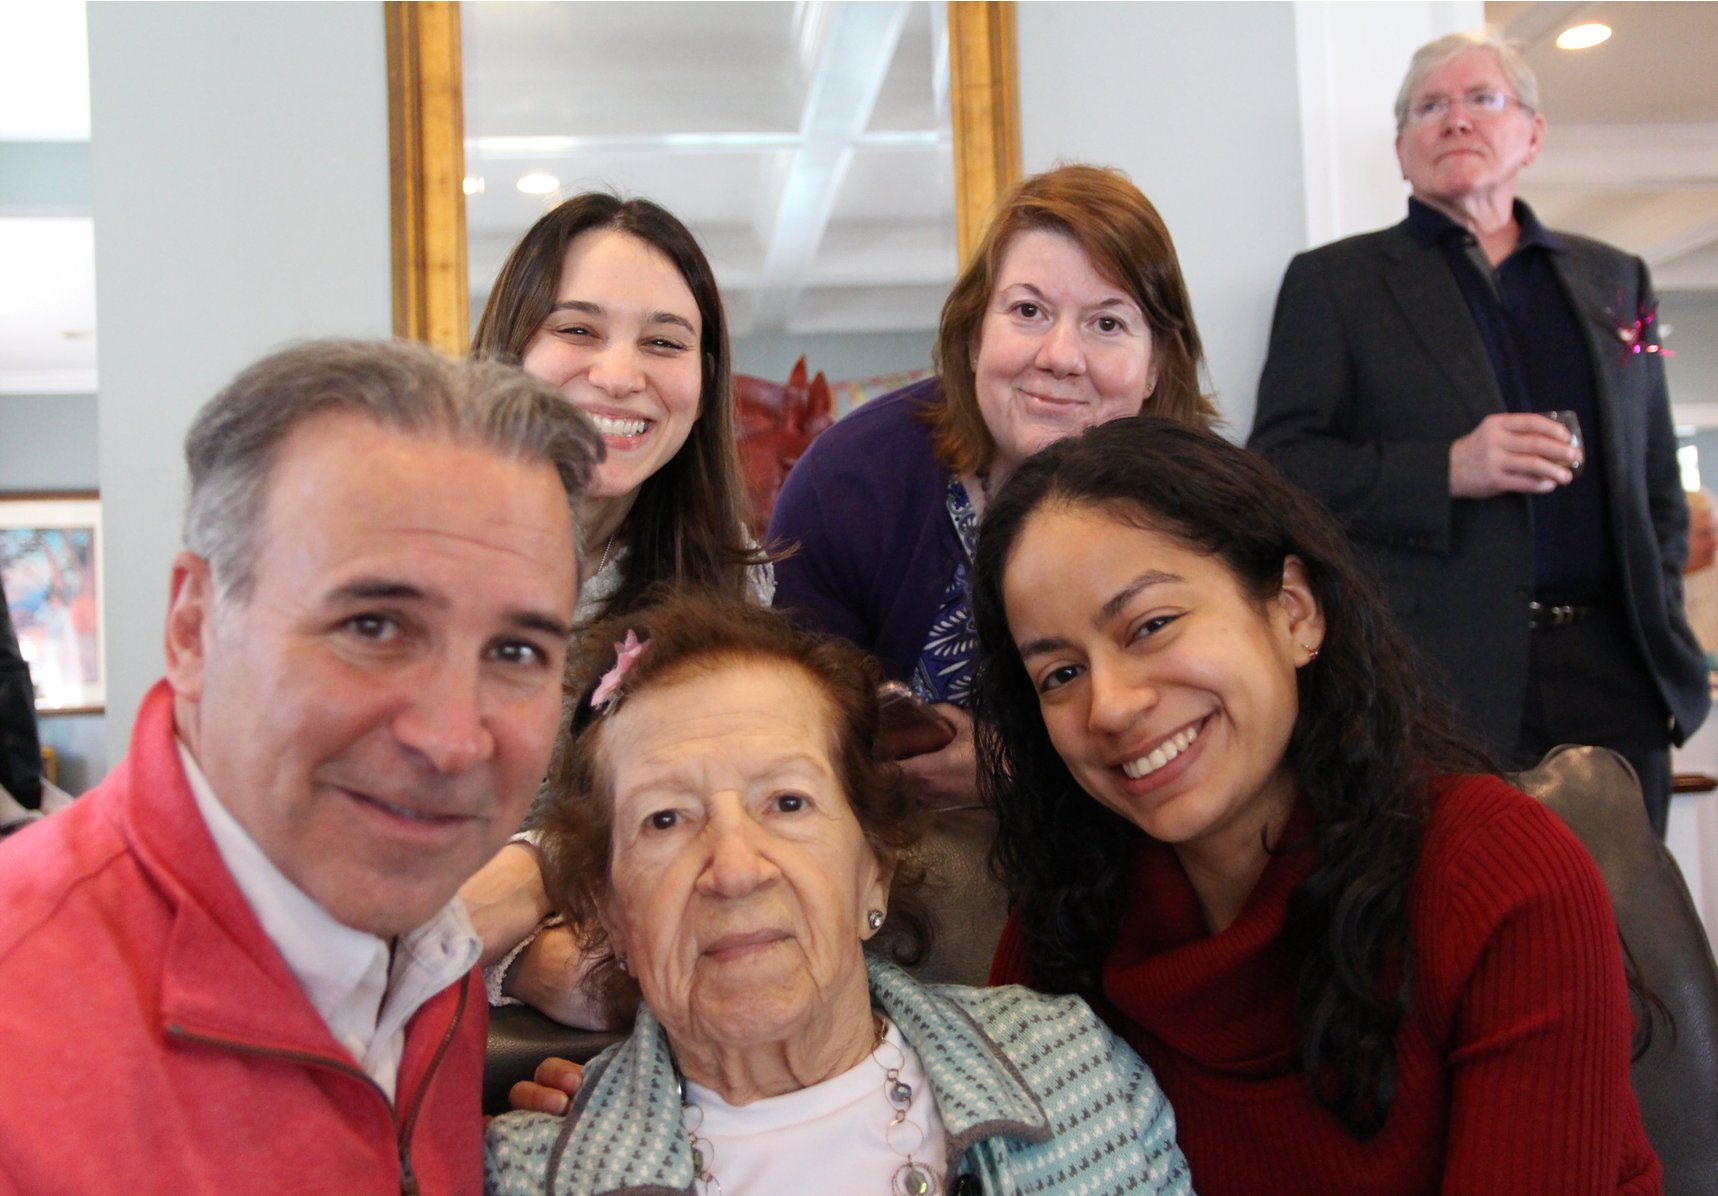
pixel 1572 422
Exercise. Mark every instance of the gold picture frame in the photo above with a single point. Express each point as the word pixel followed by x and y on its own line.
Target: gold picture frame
pixel 426 143
pixel 426 135
pixel 50 571
pixel 986 108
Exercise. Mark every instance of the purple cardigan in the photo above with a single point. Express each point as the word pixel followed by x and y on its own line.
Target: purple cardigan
pixel 867 506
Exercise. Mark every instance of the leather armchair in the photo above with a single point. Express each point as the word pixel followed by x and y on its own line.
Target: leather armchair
pixel 968 908
pixel 520 1038
pixel 1595 792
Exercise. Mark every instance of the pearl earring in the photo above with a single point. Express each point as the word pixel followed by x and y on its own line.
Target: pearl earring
pixel 875 920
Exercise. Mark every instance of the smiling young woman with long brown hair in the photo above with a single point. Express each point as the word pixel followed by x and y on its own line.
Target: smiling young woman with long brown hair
pixel 1234 820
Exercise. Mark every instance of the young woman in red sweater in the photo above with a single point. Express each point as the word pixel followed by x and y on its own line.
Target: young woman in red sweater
pixel 1234 820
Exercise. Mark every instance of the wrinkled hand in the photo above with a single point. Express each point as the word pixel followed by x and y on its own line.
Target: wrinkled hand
pixel 549 975
pixel 551 1090
pixel 1524 453
pixel 505 899
pixel 949 776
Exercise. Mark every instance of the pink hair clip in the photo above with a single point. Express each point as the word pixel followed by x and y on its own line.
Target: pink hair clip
pixel 625 656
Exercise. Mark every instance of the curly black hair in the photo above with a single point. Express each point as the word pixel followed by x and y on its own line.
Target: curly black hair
pixel 1367 737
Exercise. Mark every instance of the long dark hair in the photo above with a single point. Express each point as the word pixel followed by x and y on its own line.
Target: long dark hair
pixel 1366 738
pixel 686 525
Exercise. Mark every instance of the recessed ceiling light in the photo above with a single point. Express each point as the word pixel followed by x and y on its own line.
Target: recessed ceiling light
pixel 539 184
pixel 473 186
pixel 1579 37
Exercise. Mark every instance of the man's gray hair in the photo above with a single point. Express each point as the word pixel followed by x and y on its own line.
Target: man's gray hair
pixel 235 439
pixel 1432 55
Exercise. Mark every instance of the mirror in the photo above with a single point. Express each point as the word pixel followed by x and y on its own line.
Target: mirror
pixel 833 158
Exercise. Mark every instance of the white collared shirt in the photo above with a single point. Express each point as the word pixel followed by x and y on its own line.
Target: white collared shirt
pixel 365 997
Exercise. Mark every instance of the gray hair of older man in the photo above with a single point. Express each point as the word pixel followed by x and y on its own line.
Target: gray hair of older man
pixel 235 440
pixel 1432 55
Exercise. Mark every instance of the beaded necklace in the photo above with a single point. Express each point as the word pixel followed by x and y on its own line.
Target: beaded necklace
pixel 911 1178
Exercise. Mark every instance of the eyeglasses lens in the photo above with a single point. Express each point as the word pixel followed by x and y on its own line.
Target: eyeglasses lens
pixel 1477 103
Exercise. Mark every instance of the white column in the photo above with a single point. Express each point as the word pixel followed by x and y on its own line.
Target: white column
pixel 240 160
pixel 1352 56
pixel 1198 102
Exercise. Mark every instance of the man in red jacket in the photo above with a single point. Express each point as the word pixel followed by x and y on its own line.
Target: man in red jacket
pixel 239 964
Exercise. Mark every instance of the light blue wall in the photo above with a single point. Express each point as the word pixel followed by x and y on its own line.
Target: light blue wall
pixel 1200 104
pixel 48 442
pixel 80 743
pixel 1692 317
pixel 240 170
pixel 44 178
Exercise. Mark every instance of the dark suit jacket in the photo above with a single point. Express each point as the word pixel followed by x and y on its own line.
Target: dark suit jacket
pixel 1376 366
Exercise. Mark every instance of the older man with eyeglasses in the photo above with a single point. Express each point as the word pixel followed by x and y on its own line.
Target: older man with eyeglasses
pixel 1482 402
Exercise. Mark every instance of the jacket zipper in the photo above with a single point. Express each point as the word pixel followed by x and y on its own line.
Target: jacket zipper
pixel 408 1179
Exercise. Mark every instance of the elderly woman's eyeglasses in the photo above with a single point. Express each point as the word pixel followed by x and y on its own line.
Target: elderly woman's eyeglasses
pixel 1479 104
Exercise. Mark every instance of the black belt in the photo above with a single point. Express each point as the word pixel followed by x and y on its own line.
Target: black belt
pixel 1542 616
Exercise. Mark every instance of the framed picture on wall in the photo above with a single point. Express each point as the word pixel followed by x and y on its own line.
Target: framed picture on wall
pixel 50 555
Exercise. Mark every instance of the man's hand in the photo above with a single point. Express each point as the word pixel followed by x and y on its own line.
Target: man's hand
pixel 949 776
pixel 1528 454
pixel 550 1091
pixel 505 899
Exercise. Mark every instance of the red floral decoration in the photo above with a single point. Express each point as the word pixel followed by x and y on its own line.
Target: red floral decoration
pixel 774 424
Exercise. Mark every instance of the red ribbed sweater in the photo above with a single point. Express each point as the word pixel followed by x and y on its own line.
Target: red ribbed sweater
pixel 1513 1062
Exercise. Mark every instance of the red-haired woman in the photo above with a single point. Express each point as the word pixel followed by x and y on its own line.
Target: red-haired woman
pixel 1072 312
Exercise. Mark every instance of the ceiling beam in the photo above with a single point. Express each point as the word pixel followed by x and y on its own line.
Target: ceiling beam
pixel 491 149
pixel 850 71
pixel 1687 241
pixel 1626 158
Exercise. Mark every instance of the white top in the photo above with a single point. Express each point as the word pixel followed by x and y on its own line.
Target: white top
pixel 833 1131
pixel 365 996
pixel 602 584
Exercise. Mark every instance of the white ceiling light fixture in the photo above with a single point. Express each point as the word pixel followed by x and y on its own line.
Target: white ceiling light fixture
pixel 1581 37
pixel 473 186
pixel 539 184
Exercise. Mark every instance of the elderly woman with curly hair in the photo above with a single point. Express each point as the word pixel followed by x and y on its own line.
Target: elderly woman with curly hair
pixel 728 837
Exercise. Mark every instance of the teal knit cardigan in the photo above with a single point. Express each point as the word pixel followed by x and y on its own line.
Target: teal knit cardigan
pixel 1036 1095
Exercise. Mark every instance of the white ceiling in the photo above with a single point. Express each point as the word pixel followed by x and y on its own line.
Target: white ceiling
pixel 44 71
pixel 807 145
pixel 1632 152
pixel 47 251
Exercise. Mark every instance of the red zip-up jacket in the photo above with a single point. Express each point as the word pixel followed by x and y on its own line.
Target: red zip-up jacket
pixel 152 1039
